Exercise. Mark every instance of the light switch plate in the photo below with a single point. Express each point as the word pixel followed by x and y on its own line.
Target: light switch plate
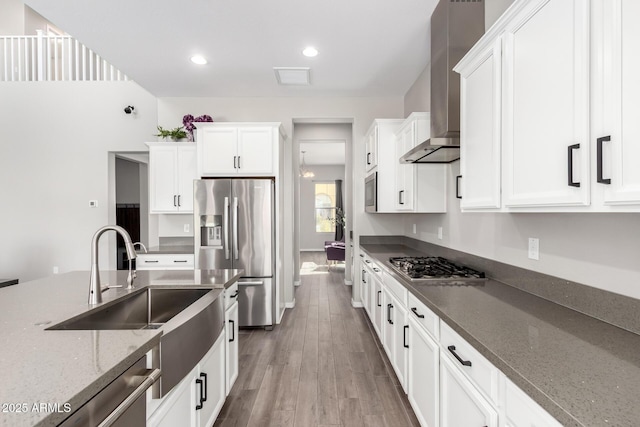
pixel 93 203
pixel 415 229
pixel 534 248
pixel 186 228
pixel 440 233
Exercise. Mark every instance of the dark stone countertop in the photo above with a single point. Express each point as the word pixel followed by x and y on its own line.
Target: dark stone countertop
pixel 583 371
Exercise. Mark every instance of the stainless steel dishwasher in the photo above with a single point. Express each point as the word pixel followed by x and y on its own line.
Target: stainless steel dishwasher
pixel 122 403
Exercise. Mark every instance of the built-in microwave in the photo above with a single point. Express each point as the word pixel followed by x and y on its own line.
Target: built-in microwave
pixel 371 193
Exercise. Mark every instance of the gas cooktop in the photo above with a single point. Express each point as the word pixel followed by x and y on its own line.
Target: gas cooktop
pixel 431 269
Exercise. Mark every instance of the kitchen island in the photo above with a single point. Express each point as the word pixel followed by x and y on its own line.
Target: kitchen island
pixel 48 374
pixel 583 371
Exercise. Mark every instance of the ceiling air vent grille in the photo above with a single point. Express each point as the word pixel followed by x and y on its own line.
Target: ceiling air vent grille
pixel 292 75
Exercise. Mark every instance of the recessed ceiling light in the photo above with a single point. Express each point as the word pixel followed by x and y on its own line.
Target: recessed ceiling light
pixel 198 59
pixel 310 51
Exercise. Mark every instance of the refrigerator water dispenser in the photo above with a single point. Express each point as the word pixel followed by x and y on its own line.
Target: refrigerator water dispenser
pixel 211 230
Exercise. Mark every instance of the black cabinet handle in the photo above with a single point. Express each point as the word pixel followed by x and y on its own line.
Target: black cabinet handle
pixel 452 349
pixel 363 279
pixel 361 255
pixel 458 195
pixel 204 387
pixel 389 307
pixel 179 200
pixel 150 261
pixel 367 261
pixel 238 162
pixel 368 158
pixel 200 383
pixel 174 201
pixel 234 162
pixel 404 336
pixel 400 198
pixel 180 260
pixel 570 180
pixel 378 298
pixel 233 329
pixel 415 311
pixel 377 270
pixel 601 180
pixel 235 295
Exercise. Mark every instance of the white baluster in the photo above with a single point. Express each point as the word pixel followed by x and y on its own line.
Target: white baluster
pixel 41 56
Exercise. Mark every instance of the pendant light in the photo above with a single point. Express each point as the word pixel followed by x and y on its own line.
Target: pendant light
pixel 304 172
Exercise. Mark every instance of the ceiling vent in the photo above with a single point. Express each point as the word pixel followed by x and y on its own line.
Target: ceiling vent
pixel 292 75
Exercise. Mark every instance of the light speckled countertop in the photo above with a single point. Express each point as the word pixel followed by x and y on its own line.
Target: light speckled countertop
pixel 57 367
pixel 583 371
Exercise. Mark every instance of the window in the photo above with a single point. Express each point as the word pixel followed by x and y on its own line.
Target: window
pixel 325 206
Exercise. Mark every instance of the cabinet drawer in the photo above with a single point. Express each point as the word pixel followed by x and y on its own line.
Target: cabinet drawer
pixel 423 316
pixel 398 290
pixel 230 295
pixel 164 262
pixel 481 372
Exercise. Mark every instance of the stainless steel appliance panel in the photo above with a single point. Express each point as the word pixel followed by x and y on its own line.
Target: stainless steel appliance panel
pixel 255 295
pixel 212 224
pixel 252 217
pixel 371 193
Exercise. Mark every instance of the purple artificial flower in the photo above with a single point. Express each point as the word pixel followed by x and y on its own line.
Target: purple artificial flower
pixel 203 118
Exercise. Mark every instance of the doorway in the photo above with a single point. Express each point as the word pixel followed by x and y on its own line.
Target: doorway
pixel 323 198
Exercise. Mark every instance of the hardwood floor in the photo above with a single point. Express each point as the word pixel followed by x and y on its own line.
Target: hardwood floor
pixel 322 366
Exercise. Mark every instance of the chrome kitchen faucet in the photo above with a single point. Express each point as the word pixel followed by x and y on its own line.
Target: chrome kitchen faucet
pixel 95 292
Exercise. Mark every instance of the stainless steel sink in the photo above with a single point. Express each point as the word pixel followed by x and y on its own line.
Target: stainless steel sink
pixel 148 309
pixel 191 320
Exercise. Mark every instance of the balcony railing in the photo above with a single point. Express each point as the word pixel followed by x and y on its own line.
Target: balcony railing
pixel 52 58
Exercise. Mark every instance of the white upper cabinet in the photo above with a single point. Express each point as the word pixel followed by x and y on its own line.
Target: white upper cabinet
pixel 405 174
pixel 381 135
pixel 172 169
pixel 552 87
pixel 546 104
pixel 247 149
pixel 616 124
pixel 480 128
pixel 371 149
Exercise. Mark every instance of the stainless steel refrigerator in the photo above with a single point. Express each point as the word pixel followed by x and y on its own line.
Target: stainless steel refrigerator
pixel 234 227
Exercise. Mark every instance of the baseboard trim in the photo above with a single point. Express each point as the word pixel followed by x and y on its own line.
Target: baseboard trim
pixel 357 304
pixel 312 250
pixel 296 283
pixel 290 304
pixel 348 282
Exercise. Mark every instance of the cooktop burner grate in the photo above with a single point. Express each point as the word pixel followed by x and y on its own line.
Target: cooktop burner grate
pixel 433 268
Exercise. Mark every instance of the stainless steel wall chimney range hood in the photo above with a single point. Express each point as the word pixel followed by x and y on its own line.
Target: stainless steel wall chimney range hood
pixel 456 25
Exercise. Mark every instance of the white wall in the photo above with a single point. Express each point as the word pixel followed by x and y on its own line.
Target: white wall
pixel 54 144
pixel 12 17
pixel 309 238
pixel 285 110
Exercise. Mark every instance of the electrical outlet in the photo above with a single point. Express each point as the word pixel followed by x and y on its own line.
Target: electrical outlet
pixel 55 270
pixel 415 229
pixel 186 228
pixel 440 233
pixel 534 248
pixel 93 203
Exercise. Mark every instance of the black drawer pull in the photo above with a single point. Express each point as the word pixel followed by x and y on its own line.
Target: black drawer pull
pixel 179 260
pixel 150 261
pixel 404 336
pixel 200 384
pixel 570 181
pixel 415 311
pixel 458 196
pixel 452 349
pixel 234 295
pixel 233 329
pixel 389 307
pixel 378 298
pixel 204 396
pixel 601 180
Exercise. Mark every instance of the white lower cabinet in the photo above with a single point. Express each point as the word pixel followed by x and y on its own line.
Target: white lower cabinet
pixel 423 375
pixel 197 400
pixel 521 411
pixel 461 404
pixel 376 306
pixel 231 348
pixel 164 262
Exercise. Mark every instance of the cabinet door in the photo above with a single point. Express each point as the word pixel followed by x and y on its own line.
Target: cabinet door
pixel 365 277
pixel 522 411
pixel 231 351
pixel 388 331
pixel 621 89
pixel 460 403
pixel 401 344
pixel 218 151
pixel 178 407
pixel 162 179
pixel 371 152
pixel 255 150
pixel 212 374
pixel 377 304
pixel 480 131
pixel 406 173
pixel 546 110
pixel 422 375
pixel 187 172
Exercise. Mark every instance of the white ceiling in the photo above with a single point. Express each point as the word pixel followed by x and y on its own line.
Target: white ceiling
pixel 367 47
pixel 323 153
